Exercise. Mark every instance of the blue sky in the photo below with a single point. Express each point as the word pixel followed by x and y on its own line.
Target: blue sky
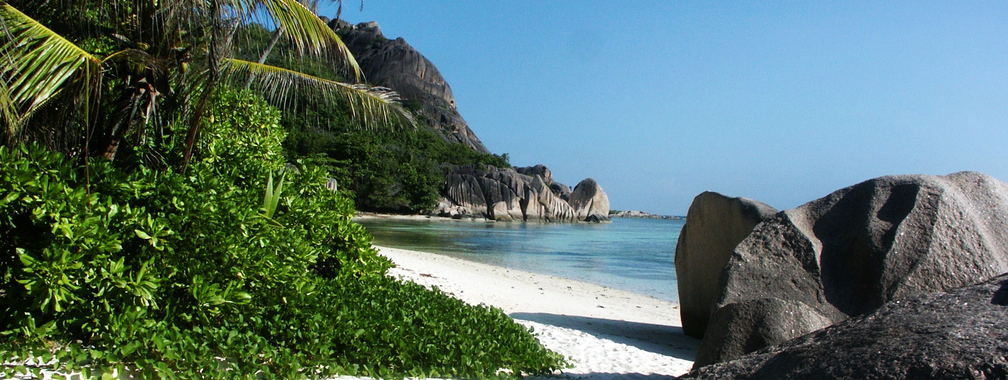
pixel 782 102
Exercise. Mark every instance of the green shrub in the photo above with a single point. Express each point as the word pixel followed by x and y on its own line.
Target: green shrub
pixel 174 276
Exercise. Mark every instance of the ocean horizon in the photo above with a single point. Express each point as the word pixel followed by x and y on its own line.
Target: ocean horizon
pixel 636 255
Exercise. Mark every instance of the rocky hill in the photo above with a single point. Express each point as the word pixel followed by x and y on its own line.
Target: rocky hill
pixel 470 190
pixel 396 65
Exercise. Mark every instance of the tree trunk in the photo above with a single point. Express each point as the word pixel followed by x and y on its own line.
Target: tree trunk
pixel 266 52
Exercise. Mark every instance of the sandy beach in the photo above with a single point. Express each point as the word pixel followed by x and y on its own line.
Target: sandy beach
pixel 607 333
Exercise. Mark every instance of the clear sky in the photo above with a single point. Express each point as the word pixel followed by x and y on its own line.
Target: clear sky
pixel 782 102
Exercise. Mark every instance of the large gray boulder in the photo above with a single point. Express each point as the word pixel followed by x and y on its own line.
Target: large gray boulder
pixel 504 195
pixel 589 201
pixel 561 190
pixel 540 204
pixel 537 170
pixel 715 224
pixel 852 251
pixel 961 334
pixel 488 192
pixel 396 65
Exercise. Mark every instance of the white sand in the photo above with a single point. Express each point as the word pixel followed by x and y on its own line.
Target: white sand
pixel 607 333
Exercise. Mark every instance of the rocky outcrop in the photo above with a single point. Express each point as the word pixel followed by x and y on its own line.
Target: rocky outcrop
pixel 396 65
pixel 589 200
pixel 849 253
pixel 508 195
pixel 561 190
pixel 715 224
pixel 642 215
pixel 960 334
pixel 537 170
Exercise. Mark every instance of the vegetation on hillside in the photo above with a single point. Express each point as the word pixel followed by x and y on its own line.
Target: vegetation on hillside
pixel 397 171
pixel 151 224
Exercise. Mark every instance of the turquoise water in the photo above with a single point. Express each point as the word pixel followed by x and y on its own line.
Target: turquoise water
pixel 630 254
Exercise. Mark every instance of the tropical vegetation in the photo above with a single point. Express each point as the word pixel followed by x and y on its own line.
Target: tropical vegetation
pixel 130 73
pixel 151 224
pixel 398 171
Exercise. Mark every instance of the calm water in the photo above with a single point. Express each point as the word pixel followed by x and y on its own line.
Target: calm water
pixel 630 254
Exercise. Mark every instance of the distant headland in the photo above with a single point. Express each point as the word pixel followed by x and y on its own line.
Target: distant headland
pixel 642 215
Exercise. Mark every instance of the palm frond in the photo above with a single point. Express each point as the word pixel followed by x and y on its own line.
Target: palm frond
pixel 305 30
pixel 371 107
pixel 37 64
pixel 8 111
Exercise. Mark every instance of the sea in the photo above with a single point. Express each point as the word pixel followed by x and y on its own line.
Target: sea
pixel 631 254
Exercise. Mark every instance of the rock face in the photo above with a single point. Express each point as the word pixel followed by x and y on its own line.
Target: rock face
pixel 962 334
pixel 508 195
pixel 849 253
pixel 715 224
pixel 589 201
pixel 396 65
pixel 538 170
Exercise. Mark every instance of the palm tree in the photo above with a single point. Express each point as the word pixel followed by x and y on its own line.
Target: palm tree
pixel 151 62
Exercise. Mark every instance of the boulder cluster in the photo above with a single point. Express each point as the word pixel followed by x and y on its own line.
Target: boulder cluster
pixel 641 215
pixel 520 194
pixel 887 262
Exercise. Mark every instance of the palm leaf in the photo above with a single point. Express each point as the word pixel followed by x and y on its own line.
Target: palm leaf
pixel 304 29
pixel 8 111
pixel 371 107
pixel 37 64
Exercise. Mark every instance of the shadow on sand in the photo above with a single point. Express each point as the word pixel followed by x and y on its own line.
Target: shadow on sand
pixel 659 339
pixel 606 376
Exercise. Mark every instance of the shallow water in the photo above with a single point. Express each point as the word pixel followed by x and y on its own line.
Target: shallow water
pixel 630 254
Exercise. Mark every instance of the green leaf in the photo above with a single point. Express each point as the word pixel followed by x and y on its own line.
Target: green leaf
pixel 370 107
pixel 39 64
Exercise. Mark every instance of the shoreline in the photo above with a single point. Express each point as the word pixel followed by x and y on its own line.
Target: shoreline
pixel 470 219
pixel 665 292
pixel 379 216
pixel 607 333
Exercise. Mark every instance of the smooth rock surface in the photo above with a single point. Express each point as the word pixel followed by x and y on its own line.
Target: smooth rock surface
pixel 961 334
pixel 560 190
pixel 589 200
pixel 715 224
pixel 537 170
pixel 849 253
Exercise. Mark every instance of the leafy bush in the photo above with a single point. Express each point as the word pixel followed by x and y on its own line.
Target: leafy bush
pixel 173 275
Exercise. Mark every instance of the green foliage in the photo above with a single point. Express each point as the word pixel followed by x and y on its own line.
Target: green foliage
pixel 395 171
pixel 271 199
pixel 434 333
pixel 89 77
pixel 172 275
pixel 241 134
pixel 251 41
pixel 399 172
